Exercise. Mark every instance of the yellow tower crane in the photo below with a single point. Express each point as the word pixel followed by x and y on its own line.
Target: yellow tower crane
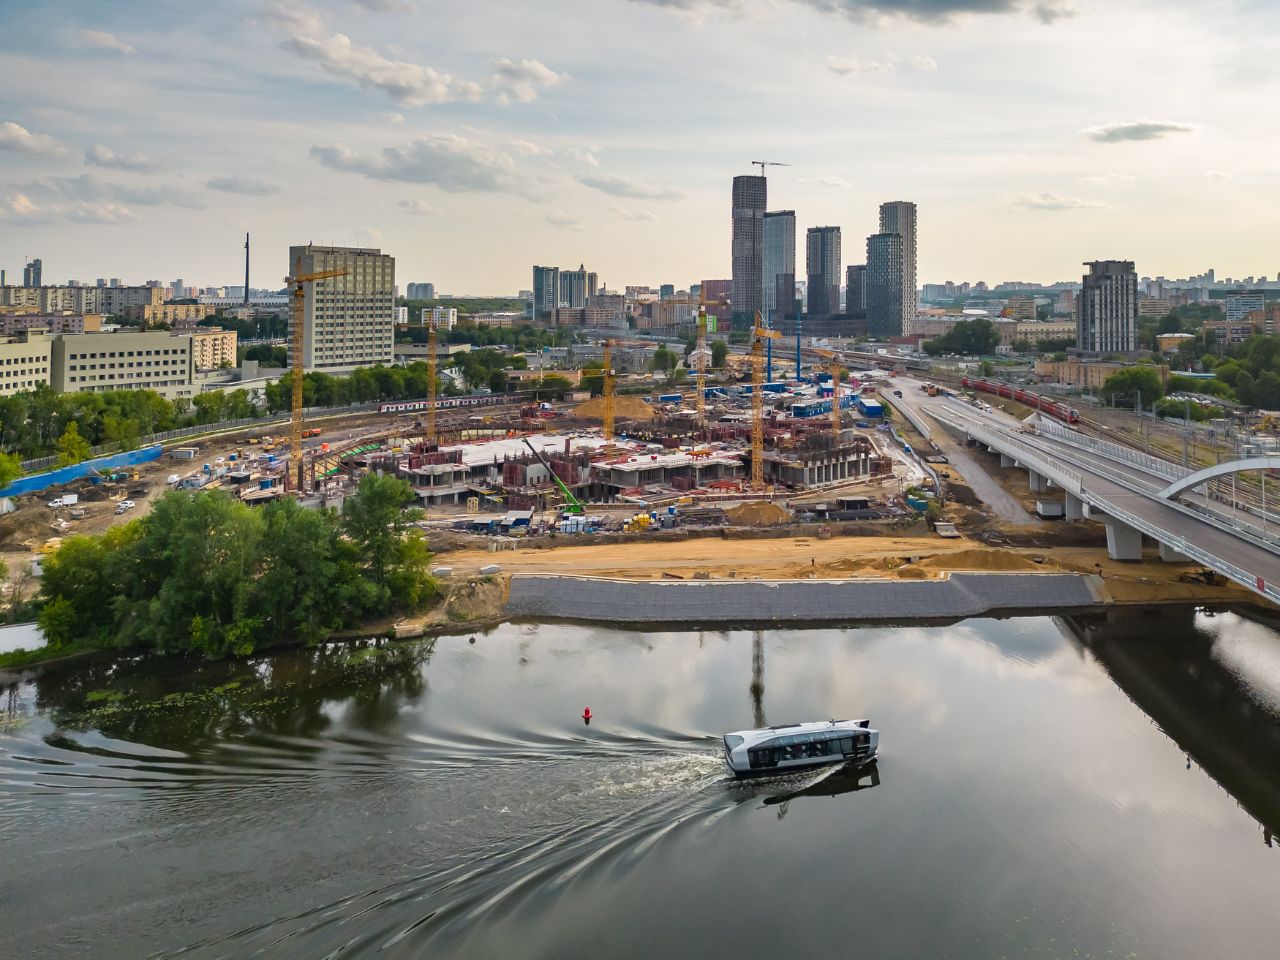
pixel 835 404
pixel 700 357
pixel 607 390
pixel 296 321
pixel 431 381
pixel 761 334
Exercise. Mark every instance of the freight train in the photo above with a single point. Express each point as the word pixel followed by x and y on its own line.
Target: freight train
pixel 1046 405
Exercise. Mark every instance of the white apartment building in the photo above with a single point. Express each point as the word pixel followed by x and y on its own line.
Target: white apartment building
pixel 348 321
pixel 442 318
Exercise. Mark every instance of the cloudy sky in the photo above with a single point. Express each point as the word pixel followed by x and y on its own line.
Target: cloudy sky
pixel 473 138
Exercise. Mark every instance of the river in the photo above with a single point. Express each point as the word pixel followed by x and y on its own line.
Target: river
pixel 1047 787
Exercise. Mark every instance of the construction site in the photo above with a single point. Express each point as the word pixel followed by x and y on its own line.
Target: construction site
pixel 815 447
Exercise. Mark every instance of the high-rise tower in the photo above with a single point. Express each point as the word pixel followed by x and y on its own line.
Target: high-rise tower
pixel 779 260
pixel 899 217
pixel 822 258
pixel 750 197
pixel 885 285
pixel 1107 307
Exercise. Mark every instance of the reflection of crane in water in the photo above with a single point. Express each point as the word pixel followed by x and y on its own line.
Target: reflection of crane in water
pixel 757 677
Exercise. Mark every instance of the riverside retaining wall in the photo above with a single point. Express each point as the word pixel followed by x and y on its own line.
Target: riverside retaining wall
pixel 765 601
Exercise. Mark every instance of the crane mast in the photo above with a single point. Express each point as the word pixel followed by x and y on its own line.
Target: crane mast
pixel 761 334
pixel 607 389
pixel 431 381
pixel 835 404
pixel 297 309
pixel 700 360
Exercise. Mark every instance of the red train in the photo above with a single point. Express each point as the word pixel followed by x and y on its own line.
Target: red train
pixel 1046 405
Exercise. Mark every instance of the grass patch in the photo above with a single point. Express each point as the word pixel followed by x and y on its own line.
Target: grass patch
pixel 104 696
pixel 17 659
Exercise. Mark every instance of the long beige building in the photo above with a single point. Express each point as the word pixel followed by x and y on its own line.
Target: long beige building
pixel 113 301
pixel 348 321
pixel 174 314
pixel 102 362
pixel 52 323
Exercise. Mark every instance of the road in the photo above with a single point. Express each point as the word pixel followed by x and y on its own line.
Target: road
pixel 1103 482
pixel 985 487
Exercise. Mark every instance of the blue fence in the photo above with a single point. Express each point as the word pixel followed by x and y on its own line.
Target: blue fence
pixel 41 481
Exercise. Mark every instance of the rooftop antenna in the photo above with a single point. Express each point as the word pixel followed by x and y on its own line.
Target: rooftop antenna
pixel 246 271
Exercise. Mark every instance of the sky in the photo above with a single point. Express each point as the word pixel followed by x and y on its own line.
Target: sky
pixel 472 139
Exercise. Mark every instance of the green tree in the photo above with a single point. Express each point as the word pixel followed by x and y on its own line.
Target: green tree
pixel 72 448
pixel 374 518
pixel 1124 386
pixel 719 354
pixel 10 469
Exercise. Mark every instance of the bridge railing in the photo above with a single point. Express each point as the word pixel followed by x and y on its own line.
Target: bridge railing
pixel 1015 446
pixel 1116 451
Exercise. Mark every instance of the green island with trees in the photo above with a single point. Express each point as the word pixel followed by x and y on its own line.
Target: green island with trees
pixel 205 574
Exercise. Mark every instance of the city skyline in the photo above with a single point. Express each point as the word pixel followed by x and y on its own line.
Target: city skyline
pixel 154 143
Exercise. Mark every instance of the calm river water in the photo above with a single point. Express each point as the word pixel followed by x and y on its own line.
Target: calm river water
pixel 1046 788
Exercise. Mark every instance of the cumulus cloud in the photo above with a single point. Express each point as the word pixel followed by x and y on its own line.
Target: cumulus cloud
pixel 1049 201
pixel 565 222
pixel 452 163
pixel 385 6
pixel 101 40
pixel 882 11
pixel 407 83
pixel 244 186
pixel 397 119
pixel 419 208
pixel 616 186
pixel 1125 130
pixel 21 140
pixel 410 84
pixel 527 148
pixel 829 181
pixel 1107 179
pixel 18 207
pixel 845 66
pixel 520 80
pixel 1219 174
pixel 89 190
pixel 637 215
pixel 100 156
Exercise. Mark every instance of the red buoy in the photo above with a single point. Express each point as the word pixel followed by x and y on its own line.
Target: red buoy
pixel 586 714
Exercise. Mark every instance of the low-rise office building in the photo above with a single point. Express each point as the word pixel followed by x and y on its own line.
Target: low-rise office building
pixel 103 362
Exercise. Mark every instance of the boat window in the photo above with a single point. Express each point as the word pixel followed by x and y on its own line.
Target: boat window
pixel 732 741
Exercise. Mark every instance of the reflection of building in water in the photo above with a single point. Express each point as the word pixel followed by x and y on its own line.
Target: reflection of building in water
pixel 757 678
pixel 1167 669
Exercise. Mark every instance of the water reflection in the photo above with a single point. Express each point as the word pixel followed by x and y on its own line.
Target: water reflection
pixel 1165 662
pixel 404 800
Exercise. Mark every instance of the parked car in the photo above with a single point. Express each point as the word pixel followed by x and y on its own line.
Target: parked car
pixel 124 506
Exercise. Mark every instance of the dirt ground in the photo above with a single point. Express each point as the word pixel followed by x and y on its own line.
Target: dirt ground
pixel 845 557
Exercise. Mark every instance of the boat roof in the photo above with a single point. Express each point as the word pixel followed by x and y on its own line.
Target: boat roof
pixel 762 734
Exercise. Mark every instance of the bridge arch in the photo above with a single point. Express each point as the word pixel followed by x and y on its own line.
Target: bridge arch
pixel 1192 480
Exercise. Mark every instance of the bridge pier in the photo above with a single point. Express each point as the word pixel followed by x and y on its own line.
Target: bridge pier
pixel 1123 541
pixel 1007 461
pixel 1039 482
pixel 1074 508
pixel 1170 555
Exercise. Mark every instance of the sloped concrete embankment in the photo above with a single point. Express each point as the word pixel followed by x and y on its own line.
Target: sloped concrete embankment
pixel 770 601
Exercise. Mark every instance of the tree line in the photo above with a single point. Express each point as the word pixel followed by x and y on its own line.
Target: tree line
pixel 205 574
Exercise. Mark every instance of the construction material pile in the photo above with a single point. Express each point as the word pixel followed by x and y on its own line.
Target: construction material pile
pixel 624 408
pixel 758 514
pixel 988 560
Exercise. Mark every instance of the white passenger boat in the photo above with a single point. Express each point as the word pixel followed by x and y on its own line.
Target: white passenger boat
pixel 773 751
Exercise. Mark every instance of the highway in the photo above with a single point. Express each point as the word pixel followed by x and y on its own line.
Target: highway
pixel 1121 490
